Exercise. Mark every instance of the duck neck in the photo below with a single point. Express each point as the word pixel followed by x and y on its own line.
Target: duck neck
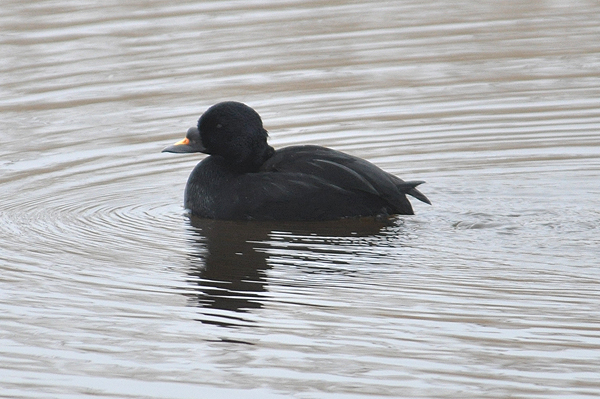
pixel 253 163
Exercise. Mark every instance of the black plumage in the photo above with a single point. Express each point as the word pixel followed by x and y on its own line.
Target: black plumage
pixel 246 179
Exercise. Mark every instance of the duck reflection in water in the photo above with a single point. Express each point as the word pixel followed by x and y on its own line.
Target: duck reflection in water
pixel 230 259
pixel 228 265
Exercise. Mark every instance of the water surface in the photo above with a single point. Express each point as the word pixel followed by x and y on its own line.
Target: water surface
pixel 108 289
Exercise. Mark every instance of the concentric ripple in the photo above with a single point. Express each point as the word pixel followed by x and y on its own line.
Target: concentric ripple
pixel 89 206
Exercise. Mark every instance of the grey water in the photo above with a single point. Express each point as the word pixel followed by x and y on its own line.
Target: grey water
pixel 108 289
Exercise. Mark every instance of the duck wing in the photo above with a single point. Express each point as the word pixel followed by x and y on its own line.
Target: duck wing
pixel 344 171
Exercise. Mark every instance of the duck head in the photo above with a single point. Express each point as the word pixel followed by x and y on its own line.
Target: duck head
pixel 230 130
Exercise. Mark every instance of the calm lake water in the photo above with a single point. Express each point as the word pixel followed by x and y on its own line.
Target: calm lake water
pixel 108 290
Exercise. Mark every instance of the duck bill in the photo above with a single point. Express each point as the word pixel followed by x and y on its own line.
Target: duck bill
pixel 186 145
pixel 180 147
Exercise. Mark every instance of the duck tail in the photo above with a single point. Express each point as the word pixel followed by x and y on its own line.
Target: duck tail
pixel 409 187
